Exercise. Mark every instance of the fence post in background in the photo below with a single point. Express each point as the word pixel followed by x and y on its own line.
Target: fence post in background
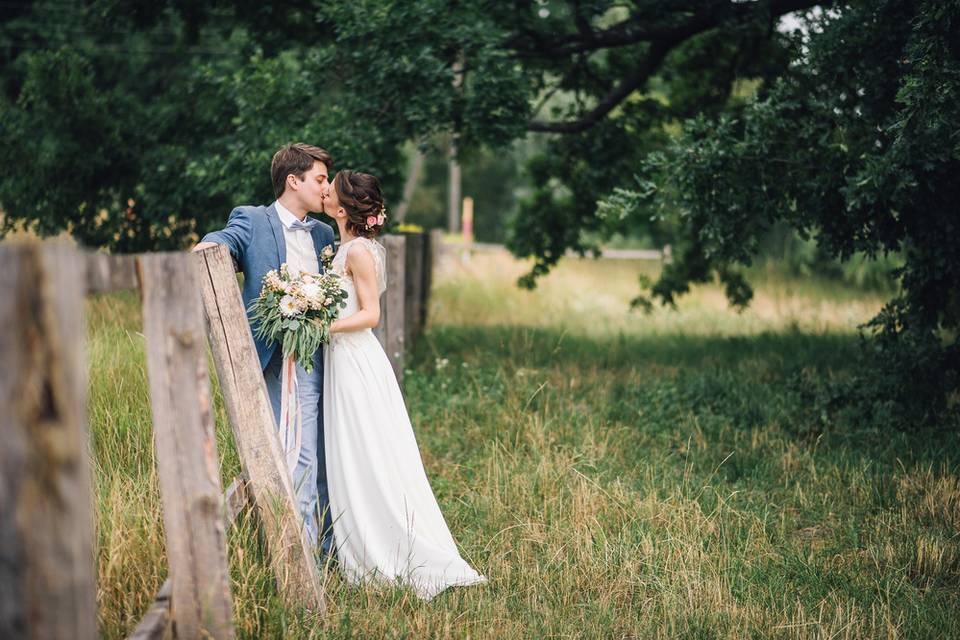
pixel 392 314
pixel 47 577
pixel 110 272
pixel 254 429
pixel 432 251
pixel 186 448
pixel 413 295
pixel 436 244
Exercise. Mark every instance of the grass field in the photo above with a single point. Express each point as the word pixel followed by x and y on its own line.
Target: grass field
pixel 613 474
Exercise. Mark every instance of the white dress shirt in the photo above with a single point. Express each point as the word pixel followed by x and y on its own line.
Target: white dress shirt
pixel 301 253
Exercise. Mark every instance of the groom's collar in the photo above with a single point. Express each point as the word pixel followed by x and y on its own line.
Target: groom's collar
pixel 285 215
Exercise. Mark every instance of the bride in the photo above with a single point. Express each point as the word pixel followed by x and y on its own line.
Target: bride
pixel 387 525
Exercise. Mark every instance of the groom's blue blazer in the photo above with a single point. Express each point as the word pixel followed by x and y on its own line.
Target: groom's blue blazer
pixel 254 236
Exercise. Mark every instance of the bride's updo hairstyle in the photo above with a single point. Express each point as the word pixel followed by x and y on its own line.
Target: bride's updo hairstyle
pixel 359 195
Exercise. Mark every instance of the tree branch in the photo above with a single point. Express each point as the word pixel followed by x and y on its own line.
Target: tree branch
pixel 662 41
pixel 615 97
pixel 635 29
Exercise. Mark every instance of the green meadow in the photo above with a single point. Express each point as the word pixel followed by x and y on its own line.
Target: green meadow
pixel 613 474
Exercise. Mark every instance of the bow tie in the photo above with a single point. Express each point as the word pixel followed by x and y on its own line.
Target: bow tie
pixel 306 225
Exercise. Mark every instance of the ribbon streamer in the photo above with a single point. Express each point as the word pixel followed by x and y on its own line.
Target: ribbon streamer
pixel 291 423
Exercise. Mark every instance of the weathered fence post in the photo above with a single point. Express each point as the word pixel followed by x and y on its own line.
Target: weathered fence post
pixel 392 315
pixel 110 272
pixel 413 279
pixel 432 245
pixel 186 451
pixel 47 584
pixel 254 429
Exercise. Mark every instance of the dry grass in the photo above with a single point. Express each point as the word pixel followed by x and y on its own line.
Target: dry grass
pixel 614 475
pixel 594 296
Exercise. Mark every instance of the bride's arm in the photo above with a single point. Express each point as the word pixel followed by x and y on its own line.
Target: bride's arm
pixel 360 264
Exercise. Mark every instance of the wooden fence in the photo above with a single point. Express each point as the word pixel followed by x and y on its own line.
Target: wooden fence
pixel 48 576
pixel 411 259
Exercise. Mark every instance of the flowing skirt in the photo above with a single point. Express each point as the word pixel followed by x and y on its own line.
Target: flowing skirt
pixel 387 525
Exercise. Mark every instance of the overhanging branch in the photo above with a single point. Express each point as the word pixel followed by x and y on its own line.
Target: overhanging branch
pixel 625 88
pixel 662 40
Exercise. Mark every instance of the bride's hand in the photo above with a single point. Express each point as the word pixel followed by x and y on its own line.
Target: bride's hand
pixel 333 328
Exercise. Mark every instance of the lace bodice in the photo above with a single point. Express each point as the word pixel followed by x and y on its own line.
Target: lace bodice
pixel 379 254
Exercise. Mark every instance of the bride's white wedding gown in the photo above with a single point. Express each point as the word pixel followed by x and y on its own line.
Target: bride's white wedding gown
pixel 387 525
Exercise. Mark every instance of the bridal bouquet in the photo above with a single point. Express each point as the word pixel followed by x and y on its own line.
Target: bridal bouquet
pixel 297 311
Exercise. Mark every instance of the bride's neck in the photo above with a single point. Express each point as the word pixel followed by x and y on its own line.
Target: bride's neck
pixel 345 236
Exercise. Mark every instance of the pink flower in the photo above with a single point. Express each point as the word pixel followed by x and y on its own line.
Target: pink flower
pixel 381 219
pixel 371 221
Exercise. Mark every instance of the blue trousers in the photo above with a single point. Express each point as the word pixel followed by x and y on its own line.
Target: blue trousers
pixel 310 475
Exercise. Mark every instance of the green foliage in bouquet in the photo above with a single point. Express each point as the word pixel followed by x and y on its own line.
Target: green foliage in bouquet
pixel 297 312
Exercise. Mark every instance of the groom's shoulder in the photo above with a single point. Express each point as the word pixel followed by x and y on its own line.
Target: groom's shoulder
pixel 249 210
pixel 252 212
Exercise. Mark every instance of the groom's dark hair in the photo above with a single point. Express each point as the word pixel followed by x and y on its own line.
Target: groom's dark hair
pixel 296 158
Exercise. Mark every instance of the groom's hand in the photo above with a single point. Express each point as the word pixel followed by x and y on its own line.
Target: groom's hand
pixel 200 246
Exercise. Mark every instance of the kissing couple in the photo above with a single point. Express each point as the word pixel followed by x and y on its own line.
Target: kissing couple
pixel 360 483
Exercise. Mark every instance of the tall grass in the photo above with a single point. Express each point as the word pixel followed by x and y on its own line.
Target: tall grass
pixel 613 474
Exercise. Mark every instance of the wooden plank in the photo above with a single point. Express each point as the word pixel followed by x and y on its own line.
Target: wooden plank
pixel 47 576
pixel 186 450
pixel 413 283
pixel 432 247
pixel 380 331
pixel 393 329
pixel 255 430
pixel 108 272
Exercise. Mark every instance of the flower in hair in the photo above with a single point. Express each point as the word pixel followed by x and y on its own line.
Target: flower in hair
pixel 371 221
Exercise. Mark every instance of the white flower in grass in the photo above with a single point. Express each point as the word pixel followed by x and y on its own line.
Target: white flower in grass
pixel 289 306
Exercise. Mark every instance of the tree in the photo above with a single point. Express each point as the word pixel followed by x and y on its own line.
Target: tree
pixel 164 113
pixel 856 146
pixel 140 129
pixel 611 77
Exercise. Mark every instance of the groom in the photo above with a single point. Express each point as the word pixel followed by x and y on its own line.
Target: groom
pixel 260 239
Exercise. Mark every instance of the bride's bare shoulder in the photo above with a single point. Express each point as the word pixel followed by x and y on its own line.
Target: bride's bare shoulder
pixel 360 258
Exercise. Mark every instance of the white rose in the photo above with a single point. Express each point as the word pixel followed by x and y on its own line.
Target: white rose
pixel 310 290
